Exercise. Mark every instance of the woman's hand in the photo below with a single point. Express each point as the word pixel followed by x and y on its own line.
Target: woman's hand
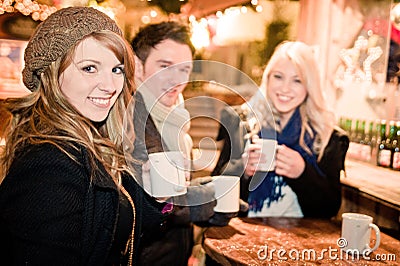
pixel 289 162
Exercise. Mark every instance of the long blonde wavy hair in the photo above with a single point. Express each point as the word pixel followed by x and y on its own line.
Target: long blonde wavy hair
pixel 314 112
pixel 46 116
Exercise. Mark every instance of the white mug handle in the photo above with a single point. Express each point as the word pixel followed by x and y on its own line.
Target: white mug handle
pixel 377 237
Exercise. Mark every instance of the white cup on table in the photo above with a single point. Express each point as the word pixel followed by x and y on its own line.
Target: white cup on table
pixel 356 233
pixel 167 174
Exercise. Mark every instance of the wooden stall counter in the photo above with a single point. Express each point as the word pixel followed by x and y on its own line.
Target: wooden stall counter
pixel 288 241
pixel 378 182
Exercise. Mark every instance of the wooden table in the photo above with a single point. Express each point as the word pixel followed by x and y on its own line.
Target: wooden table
pixel 288 241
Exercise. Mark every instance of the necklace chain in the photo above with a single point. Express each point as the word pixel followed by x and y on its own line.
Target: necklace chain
pixel 130 243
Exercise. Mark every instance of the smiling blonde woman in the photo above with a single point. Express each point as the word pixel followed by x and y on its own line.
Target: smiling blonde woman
pixel 306 178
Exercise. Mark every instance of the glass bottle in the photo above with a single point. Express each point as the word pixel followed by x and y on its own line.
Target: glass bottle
pixel 355 132
pixel 354 146
pixel 348 126
pixel 360 135
pixel 366 142
pixel 349 130
pixel 396 149
pixel 384 152
pixel 342 123
pixel 376 139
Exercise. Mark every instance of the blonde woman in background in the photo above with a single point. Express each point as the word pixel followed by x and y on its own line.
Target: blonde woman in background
pixel 311 152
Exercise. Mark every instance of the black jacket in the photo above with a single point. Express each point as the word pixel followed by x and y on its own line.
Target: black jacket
pixel 320 196
pixel 50 213
pixel 172 243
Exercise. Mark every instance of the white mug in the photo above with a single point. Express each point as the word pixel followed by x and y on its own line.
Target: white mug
pixel 227 193
pixel 356 233
pixel 167 174
pixel 268 149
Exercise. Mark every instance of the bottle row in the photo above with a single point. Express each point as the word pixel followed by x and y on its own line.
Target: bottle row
pixel 376 142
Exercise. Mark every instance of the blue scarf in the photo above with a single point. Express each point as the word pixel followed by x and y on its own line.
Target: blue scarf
pixel 267 186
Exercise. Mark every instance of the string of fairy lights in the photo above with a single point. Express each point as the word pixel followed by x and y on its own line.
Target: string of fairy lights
pixel 40 12
pixel 28 8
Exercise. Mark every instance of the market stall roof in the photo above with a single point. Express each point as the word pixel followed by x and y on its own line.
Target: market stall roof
pixel 198 8
pixel 201 8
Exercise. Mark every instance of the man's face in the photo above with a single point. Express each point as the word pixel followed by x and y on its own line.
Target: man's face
pixel 173 61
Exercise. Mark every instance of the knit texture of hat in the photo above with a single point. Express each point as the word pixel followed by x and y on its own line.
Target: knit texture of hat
pixel 59 32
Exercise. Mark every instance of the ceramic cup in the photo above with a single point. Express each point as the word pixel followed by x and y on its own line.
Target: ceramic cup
pixel 167 174
pixel 227 190
pixel 268 149
pixel 356 233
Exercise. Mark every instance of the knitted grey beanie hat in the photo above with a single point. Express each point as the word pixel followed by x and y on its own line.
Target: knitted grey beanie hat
pixel 59 32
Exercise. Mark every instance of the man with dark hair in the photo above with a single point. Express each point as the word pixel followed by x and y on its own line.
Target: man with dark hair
pixel 154 34
pixel 163 64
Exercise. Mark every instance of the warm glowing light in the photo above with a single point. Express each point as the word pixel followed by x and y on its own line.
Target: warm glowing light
pixel 232 11
pixel 259 8
pixel 237 24
pixel 35 15
pixel 153 13
pixel 200 34
pixel 219 14
pixel 254 2
pixel 110 7
pixel 145 19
